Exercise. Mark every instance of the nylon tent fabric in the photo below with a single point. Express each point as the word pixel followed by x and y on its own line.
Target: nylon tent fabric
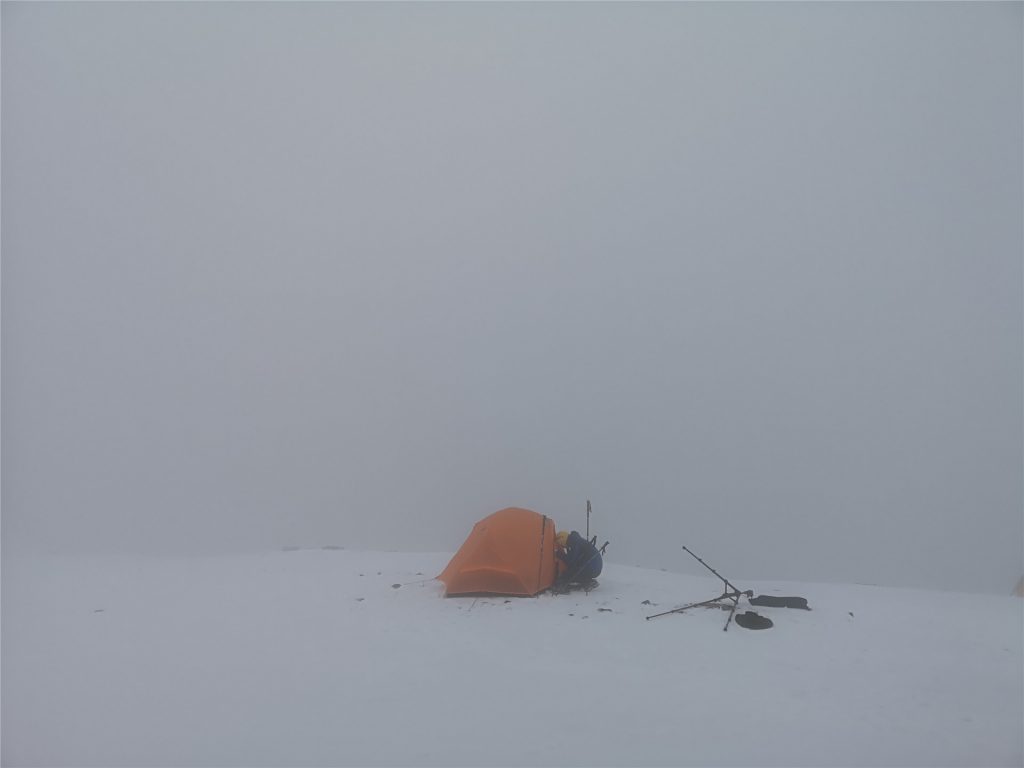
pixel 510 552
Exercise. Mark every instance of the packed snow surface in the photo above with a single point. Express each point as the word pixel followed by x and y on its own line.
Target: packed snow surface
pixel 331 657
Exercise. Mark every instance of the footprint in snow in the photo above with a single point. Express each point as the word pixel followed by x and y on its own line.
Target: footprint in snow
pixel 396 586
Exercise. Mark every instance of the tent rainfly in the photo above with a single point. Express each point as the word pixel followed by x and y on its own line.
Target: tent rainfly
pixel 511 552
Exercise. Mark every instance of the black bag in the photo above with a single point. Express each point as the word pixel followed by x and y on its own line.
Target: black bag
pixel 780 602
pixel 751 620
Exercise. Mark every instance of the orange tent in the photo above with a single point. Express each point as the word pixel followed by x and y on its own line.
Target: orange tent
pixel 511 552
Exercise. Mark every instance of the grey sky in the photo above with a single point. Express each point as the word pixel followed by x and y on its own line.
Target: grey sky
pixel 749 276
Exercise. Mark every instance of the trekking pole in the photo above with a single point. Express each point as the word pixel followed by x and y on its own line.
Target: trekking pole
pixel 588 519
pixel 730 586
pixel 730 593
pixel 735 605
pixel 691 605
pixel 735 596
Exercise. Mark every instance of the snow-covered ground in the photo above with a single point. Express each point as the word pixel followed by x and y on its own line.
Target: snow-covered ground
pixel 331 657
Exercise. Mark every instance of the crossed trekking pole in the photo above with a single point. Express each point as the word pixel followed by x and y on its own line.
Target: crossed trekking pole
pixel 730 593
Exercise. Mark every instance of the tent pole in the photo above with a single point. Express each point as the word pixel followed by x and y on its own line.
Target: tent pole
pixel 540 558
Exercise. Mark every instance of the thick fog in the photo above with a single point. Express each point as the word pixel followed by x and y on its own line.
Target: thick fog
pixel 747 276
